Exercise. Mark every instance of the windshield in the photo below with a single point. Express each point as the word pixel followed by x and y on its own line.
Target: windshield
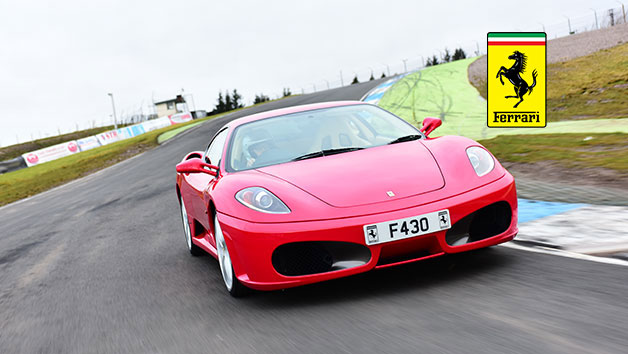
pixel 315 133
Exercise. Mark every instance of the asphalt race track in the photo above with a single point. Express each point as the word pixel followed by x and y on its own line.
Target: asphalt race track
pixel 100 266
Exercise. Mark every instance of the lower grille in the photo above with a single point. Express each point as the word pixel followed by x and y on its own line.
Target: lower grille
pixel 489 221
pixel 314 257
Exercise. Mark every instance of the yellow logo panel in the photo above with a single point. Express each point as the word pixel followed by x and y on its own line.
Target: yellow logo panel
pixel 516 69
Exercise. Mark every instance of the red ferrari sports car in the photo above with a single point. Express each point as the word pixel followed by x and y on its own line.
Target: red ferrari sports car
pixel 311 193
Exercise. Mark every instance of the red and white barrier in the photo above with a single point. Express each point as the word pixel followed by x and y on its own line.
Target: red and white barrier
pixel 88 143
pixel 108 137
pixel 180 118
pixel 154 124
pixel 71 147
pixel 51 153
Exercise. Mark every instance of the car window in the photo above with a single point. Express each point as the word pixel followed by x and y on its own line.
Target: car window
pixel 214 151
pixel 285 138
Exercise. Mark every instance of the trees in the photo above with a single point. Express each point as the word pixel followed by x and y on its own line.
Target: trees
pixel 355 80
pixel 432 61
pixel 372 77
pixel 459 54
pixel 261 98
pixel 236 99
pixel 220 106
pixel 286 92
pixel 447 56
pixel 383 75
pixel 228 101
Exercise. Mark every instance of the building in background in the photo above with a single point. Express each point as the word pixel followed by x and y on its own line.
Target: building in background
pixel 171 106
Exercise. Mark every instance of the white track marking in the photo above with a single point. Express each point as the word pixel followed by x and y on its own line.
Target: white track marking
pixel 561 253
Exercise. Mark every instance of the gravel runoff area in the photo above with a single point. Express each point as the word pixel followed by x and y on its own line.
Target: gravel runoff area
pixel 565 48
pixel 597 230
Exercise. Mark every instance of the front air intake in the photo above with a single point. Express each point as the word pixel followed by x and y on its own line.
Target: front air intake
pixel 314 257
pixel 489 221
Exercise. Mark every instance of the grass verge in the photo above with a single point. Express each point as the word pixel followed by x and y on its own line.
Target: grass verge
pixel 26 182
pixel 174 132
pixel 569 150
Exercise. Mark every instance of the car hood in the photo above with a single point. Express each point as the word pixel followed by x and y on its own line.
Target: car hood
pixel 368 176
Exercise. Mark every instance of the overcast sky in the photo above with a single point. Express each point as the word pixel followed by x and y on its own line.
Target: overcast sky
pixel 59 59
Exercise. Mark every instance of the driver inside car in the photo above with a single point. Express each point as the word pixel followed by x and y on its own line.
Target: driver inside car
pixel 256 145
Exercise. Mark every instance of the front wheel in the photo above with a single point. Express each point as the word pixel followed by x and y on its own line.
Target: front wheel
pixel 187 232
pixel 235 288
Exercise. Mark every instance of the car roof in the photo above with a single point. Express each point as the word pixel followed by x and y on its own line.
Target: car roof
pixel 290 110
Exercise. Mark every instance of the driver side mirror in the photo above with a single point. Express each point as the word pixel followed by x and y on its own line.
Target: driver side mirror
pixel 430 124
pixel 196 165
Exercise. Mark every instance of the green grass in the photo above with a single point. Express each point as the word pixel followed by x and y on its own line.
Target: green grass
pixel 570 150
pixel 440 91
pixel 174 132
pixel 593 86
pixel 33 180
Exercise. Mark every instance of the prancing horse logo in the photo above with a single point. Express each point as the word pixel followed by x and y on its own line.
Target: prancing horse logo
pixel 513 74
pixel 371 231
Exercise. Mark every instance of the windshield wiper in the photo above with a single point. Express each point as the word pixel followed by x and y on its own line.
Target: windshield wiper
pixel 325 153
pixel 405 138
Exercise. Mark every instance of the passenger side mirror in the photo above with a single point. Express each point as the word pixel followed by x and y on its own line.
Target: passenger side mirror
pixel 430 124
pixel 196 165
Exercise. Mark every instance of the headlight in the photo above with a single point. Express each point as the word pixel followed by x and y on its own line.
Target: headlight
pixel 481 160
pixel 258 198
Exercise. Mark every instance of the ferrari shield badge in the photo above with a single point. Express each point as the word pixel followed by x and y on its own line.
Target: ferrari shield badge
pixel 516 63
pixel 371 231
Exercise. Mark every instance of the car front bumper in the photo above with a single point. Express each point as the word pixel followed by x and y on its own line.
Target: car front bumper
pixel 252 245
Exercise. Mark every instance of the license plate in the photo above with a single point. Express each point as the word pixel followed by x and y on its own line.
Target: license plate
pixel 394 230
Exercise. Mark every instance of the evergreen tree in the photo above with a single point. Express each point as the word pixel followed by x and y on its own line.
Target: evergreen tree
pixel 432 61
pixel 459 54
pixel 447 56
pixel 286 92
pixel 236 98
pixel 261 98
pixel 372 77
pixel 220 106
pixel 355 80
pixel 228 102
pixel 383 76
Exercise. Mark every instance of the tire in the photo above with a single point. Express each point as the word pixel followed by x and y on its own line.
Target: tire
pixel 187 231
pixel 233 285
